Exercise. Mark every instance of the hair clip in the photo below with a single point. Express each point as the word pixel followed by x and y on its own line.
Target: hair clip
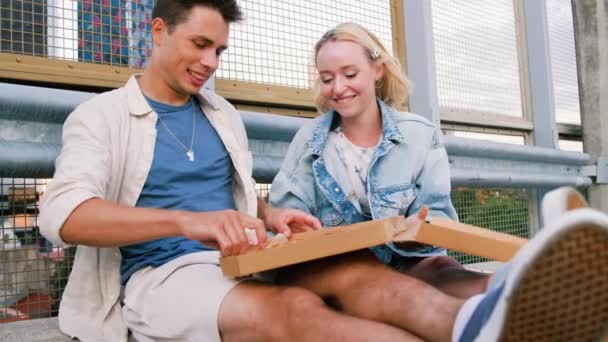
pixel 329 35
pixel 375 54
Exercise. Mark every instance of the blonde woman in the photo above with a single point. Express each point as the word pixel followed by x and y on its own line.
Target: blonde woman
pixel 364 159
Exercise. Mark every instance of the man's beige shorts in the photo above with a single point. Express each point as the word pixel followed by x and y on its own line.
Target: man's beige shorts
pixel 178 301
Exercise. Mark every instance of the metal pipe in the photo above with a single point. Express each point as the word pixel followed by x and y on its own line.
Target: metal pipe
pixel 474 148
pixel 268 135
pixel 28 103
pixel 265 168
pixel 503 180
pixel 34 160
pixel 27 160
pixel 271 127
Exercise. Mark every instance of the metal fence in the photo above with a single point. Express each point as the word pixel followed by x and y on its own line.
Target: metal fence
pixel 502 210
pixel 271 47
pixel 33 273
pixel 31 269
pixel 477 56
pixel 104 32
pixel 23 27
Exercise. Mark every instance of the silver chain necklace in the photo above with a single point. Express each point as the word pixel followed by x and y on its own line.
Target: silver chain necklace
pixel 189 151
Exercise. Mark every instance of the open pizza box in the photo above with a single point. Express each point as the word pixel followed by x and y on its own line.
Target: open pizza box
pixel 327 242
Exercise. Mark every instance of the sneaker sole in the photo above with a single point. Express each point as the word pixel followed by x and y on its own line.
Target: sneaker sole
pixel 563 295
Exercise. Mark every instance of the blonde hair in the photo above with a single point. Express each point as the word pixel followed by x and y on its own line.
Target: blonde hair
pixel 393 88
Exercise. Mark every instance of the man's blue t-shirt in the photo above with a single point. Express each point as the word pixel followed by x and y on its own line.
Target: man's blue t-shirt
pixel 175 182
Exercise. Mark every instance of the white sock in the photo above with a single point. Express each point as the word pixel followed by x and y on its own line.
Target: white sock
pixel 464 314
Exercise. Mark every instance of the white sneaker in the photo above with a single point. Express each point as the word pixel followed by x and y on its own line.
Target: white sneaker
pixel 557 202
pixel 557 284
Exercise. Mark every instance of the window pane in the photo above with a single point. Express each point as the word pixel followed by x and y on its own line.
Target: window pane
pixel 563 61
pixel 476 56
pixel 571 145
pixel 22 27
pixel 502 138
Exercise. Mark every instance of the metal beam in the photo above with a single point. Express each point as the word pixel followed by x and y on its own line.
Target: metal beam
pixel 421 59
pixel 591 41
pixel 540 74
pixel 540 97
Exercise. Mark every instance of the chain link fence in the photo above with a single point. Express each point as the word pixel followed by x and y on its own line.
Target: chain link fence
pixel 274 44
pixel 501 210
pixel 33 273
pixel 476 56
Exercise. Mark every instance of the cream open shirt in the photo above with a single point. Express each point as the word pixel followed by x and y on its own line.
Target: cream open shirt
pixel 108 146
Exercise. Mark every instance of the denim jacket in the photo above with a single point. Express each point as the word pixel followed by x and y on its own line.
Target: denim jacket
pixel 409 169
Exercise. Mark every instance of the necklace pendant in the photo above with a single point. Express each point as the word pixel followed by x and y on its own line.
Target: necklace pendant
pixel 190 155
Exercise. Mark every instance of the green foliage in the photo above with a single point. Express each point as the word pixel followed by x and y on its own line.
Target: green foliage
pixel 501 210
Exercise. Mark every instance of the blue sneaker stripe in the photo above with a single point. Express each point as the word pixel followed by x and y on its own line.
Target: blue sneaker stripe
pixel 481 314
pixel 500 276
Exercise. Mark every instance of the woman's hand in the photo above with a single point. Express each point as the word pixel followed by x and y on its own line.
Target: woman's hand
pixel 288 221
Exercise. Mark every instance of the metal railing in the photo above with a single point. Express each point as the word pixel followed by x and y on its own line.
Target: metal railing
pixel 30 139
pixel 31 119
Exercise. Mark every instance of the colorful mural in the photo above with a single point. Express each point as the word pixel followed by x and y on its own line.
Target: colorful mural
pixel 115 32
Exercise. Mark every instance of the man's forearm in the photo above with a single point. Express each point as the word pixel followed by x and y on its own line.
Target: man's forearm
pixel 101 223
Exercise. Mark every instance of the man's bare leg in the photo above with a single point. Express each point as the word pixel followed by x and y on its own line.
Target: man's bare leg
pixel 449 276
pixel 363 287
pixel 260 312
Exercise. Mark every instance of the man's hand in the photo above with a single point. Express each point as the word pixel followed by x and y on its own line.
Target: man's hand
pixel 287 221
pixel 224 230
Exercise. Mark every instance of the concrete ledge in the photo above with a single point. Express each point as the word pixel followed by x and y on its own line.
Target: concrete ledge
pixel 35 330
